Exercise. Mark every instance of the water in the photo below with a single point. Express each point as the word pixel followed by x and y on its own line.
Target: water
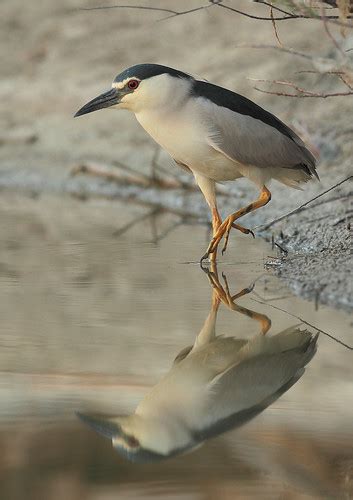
pixel 93 317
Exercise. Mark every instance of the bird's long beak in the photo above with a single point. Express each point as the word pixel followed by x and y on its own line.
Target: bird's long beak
pixel 105 100
pixel 104 426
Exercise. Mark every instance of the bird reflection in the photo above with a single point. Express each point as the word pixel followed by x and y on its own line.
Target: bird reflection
pixel 217 384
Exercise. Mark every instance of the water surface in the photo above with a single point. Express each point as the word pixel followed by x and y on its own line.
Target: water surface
pixel 94 314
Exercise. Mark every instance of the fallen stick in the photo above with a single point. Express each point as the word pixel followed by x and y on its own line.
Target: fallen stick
pixel 118 173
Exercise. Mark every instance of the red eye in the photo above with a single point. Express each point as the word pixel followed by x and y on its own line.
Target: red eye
pixel 132 442
pixel 133 84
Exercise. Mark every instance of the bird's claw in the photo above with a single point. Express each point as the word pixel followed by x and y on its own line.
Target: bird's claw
pixel 243 230
pixel 226 237
pixel 250 288
pixel 225 243
pixel 212 247
pixel 205 256
pixel 205 268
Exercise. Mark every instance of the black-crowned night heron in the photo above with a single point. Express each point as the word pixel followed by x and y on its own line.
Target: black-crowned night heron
pixel 214 133
pixel 215 385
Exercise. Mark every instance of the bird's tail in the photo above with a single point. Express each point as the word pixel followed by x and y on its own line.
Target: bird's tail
pixel 299 340
pixel 294 177
pixel 291 339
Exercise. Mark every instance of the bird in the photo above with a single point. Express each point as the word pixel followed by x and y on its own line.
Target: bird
pixel 213 133
pixel 217 384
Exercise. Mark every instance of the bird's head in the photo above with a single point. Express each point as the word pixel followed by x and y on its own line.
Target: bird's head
pixel 140 439
pixel 141 87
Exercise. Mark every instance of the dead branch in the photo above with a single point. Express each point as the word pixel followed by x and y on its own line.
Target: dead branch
pixel 258 18
pixel 117 174
pixel 329 34
pixel 274 7
pixel 274 26
pixel 276 47
pixel 140 218
pixel 300 91
pixel 173 13
pixel 219 3
pixel 317 72
pixel 123 174
pixel 301 207
pixel 168 230
pixel 307 14
pixel 338 66
pixel 319 95
pixel 304 322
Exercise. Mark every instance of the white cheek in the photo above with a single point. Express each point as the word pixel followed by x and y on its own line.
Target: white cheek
pixel 127 102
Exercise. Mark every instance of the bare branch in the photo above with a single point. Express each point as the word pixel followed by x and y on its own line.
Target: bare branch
pixel 305 323
pixel 300 91
pixel 191 10
pixel 299 209
pixel 276 47
pixel 134 177
pixel 329 34
pixel 139 218
pixel 274 7
pixel 123 174
pixel 305 93
pixel 339 73
pixel 173 13
pixel 137 7
pixel 275 26
pixel 252 16
pixel 317 72
pixel 219 3
pixel 343 79
pixel 287 15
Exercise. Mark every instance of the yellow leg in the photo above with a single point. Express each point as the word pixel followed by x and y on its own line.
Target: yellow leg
pixel 223 294
pixel 228 223
pixel 216 223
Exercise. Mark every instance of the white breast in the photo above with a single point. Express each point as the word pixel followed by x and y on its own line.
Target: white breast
pixel 183 133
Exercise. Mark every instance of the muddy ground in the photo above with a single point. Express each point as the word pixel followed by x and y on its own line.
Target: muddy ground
pixel 56 56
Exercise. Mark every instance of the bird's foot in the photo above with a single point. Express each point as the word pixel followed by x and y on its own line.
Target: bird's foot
pixel 223 230
pixel 243 230
pixel 212 247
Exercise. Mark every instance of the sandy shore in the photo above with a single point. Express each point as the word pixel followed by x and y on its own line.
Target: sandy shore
pixel 57 56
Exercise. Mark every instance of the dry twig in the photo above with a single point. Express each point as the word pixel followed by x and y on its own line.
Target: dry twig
pixel 300 91
pixel 219 3
pixel 118 174
pixel 304 322
pixel 301 207
pixel 276 47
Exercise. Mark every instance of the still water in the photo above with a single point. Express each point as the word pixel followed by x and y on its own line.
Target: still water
pixel 101 318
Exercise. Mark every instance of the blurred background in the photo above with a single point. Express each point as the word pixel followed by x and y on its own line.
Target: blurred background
pixel 99 282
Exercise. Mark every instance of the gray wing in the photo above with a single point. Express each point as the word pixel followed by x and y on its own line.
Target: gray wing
pixel 251 141
pixel 246 389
